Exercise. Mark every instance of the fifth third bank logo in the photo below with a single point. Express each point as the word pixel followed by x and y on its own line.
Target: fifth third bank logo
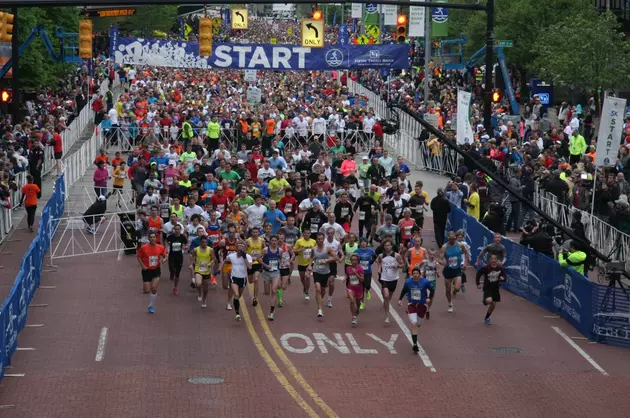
pixel 525 268
pixel 568 287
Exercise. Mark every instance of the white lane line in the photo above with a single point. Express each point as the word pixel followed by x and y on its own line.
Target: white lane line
pixel 102 340
pixel 401 324
pixel 579 350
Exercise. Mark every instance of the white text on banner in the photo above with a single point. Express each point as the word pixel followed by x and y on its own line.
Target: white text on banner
pixel 417 21
pixel 610 131
pixel 464 130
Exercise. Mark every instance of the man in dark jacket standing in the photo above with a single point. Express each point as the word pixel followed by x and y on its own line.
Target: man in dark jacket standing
pixel 441 207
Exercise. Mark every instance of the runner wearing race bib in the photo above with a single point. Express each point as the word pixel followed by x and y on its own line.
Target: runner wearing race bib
pixel 286 266
pixel 177 245
pixel 429 270
pixel 389 263
pixel 416 289
pixel 150 256
pixel 367 256
pixel 455 256
pixel 304 249
pixel 203 262
pixel 254 249
pixel 354 285
pixel 271 272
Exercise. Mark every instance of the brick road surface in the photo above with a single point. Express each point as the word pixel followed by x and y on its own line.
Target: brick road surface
pixel 148 359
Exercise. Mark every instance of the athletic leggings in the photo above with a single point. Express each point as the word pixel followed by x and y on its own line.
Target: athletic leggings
pixel 367 282
pixel 175 263
pixel 30 215
pixel 367 225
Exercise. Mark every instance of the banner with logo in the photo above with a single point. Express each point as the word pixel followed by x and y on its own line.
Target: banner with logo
pixel 181 54
pixel 599 312
pixel 417 21
pixel 372 16
pixel 610 131
pixel 464 130
pixel 390 14
pixel 357 10
pixel 343 35
pixel 439 20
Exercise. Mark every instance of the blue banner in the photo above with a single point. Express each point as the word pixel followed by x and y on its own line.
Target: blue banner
pixel 335 18
pixel 181 54
pixel 113 39
pixel 599 312
pixel 181 27
pixel 343 35
pixel 354 25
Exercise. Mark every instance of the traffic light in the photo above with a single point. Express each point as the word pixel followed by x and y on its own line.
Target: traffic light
pixel 317 15
pixel 205 37
pixel 5 96
pixel 6 27
pixel 496 96
pixel 401 31
pixel 85 39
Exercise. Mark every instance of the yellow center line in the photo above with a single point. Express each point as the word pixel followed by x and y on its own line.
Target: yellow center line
pixel 284 382
pixel 289 365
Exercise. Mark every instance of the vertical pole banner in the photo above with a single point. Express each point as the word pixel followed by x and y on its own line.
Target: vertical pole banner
pixel 354 25
pixel 357 10
pixel 439 20
pixel 417 21
pixel 343 35
pixel 464 130
pixel 610 131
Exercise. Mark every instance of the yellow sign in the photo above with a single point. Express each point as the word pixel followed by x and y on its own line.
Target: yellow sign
pixel 363 40
pixel 290 31
pixel 239 19
pixel 312 33
pixel 274 41
pixel 373 31
pixel 216 25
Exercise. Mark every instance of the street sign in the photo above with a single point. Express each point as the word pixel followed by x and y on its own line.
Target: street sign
pixel 273 41
pixel 504 44
pixel 312 33
pixel 239 19
pixel 254 95
pixel 363 40
pixel 373 31
pixel 249 76
pixel 290 31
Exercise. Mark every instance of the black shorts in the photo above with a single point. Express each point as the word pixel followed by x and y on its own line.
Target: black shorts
pixel 451 273
pixel 389 285
pixel 285 272
pixel 491 293
pixel 255 268
pixel 322 279
pixel 333 268
pixel 118 187
pixel 240 282
pixel 302 268
pixel 58 155
pixel 204 276
pixel 149 275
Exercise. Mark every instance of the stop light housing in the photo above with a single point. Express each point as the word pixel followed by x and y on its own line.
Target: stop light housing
pixel 85 39
pixel 6 27
pixel 496 96
pixel 205 37
pixel 317 15
pixel 5 96
pixel 401 29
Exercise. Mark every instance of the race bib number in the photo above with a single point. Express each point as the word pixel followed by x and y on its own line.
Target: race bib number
pixel 365 264
pixel 322 262
pixel 177 246
pixel 203 267
pixel 255 254
pixel 122 175
pixel 161 167
pixel 273 265
pixel 290 241
pixel 419 209
pixel 416 294
pixel 314 228
pixel 169 181
pixel 354 280
pixel 362 216
pixel 344 212
pixel 220 208
pixel 154 260
pixel 453 262
pixel 164 212
pixel 286 257
pixel 407 230
pixel 288 207
pixel 308 253
pixel 213 239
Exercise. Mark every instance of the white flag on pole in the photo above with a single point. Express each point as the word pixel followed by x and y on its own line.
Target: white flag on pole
pixel 417 21
pixel 464 130
pixel 357 10
pixel 610 131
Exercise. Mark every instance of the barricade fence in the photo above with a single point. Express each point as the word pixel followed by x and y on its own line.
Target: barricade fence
pixel 599 312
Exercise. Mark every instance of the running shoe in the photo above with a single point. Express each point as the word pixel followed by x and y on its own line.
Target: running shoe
pixel 330 302
pixel 450 308
pixel 387 320
pixel 175 291
pixel 487 321
pixel 192 285
pixel 228 307
pixel 428 315
pixel 416 348
pixel 320 313
pixel 255 302
pixel 237 317
pixel 368 295
pixel 204 304
pixel 280 304
pixel 306 296
pixel 199 298
pixel 362 306
pixel 463 288
pixel 270 316
pixel 151 309
pixel 214 280
pixel 354 321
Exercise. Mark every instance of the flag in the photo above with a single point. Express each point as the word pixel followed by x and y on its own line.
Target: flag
pixel 371 14
pixel 439 20
pixel 464 130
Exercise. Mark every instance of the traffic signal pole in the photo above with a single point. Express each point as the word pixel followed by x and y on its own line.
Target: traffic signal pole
pixel 15 58
pixel 487 92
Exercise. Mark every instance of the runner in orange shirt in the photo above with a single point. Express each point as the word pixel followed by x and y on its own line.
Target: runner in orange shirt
pixel 150 256
pixel 29 200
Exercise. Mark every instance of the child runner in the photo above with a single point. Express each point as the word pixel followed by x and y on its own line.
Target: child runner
pixel 354 284
pixel 493 274
pixel 417 290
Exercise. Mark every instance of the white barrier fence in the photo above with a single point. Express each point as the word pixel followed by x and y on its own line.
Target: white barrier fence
pixel 69 137
pixel 604 237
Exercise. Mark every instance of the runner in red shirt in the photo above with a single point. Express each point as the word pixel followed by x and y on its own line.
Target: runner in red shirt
pixel 150 256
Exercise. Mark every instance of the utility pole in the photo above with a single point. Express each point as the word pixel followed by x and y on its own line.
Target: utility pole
pixel 487 93
pixel 427 53
pixel 15 63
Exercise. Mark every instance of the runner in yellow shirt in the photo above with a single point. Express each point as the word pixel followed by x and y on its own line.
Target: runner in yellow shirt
pixel 304 249
pixel 202 260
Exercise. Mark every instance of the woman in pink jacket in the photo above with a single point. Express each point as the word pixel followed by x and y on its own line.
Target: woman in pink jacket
pixel 100 179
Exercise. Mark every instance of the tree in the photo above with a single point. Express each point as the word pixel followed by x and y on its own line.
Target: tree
pixel 583 51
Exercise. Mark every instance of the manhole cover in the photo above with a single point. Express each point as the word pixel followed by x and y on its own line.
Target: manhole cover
pixel 205 380
pixel 507 350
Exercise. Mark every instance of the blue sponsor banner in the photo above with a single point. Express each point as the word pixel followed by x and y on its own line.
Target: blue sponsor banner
pixel 335 18
pixel 343 35
pixel 181 54
pixel 113 40
pixel 354 25
pixel 12 310
pixel 587 306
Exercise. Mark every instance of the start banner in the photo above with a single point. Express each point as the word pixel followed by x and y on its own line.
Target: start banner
pixel 165 53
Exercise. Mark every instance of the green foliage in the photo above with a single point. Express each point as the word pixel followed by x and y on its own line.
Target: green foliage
pixel 146 20
pixel 36 69
pixel 584 50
